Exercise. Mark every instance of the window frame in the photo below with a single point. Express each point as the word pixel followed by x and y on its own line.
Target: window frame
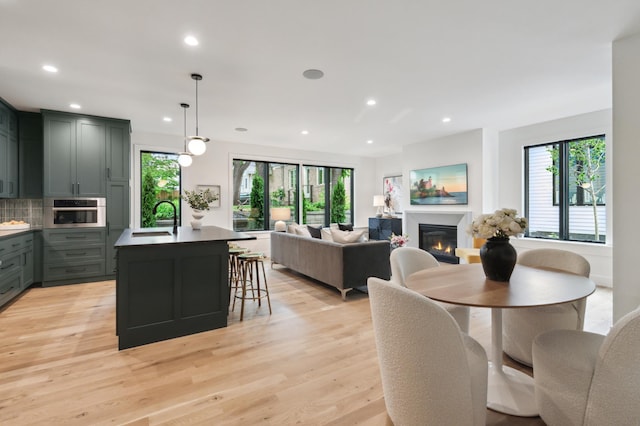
pixel 560 188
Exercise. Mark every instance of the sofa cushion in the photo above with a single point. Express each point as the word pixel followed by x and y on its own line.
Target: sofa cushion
pixel 345 226
pixel 347 237
pixel 302 231
pixel 315 232
pixel 326 234
pixel 291 228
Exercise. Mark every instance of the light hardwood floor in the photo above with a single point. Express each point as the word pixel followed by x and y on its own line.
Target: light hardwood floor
pixel 312 362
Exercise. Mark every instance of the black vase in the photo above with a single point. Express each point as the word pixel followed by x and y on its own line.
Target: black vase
pixel 498 259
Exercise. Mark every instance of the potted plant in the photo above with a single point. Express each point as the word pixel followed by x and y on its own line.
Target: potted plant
pixel 199 201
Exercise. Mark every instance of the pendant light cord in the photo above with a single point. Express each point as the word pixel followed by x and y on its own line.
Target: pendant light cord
pixel 184 107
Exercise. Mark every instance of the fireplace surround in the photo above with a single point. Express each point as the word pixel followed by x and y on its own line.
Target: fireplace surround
pixel 439 240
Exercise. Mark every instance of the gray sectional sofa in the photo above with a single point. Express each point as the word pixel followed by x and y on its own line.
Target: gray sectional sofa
pixel 343 266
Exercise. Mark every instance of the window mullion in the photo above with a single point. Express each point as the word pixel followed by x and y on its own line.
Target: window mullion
pixel 564 191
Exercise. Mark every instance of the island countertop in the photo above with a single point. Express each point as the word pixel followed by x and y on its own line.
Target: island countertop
pixel 185 235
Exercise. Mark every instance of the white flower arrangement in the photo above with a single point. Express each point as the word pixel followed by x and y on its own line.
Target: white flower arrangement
pixel 199 200
pixel 398 240
pixel 502 224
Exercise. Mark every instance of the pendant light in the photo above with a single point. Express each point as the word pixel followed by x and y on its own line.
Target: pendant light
pixel 197 143
pixel 185 159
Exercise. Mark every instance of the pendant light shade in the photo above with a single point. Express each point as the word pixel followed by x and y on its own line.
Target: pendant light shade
pixel 185 159
pixel 197 144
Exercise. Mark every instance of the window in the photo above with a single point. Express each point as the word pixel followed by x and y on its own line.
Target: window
pixel 329 202
pixel 257 187
pixel 565 190
pixel 160 177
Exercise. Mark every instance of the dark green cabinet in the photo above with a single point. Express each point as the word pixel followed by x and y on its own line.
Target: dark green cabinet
pixel 8 152
pixel 16 265
pixel 118 148
pixel 73 255
pixel 30 154
pixel 74 155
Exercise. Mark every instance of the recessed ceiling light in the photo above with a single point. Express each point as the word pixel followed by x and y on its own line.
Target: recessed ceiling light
pixel 241 129
pixel 49 68
pixel 369 141
pixel 191 41
pixel 312 74
pixel 75 106
pixel 167 119
pixel 371 102
pixel 305 132
pixel 446 120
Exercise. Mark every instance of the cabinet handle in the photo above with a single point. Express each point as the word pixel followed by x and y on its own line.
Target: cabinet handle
pixel 76 237
pixel 108 172
pixel 15 244
pixel 6 291
pixel 76 254
pixel 7 267
pixel 1 185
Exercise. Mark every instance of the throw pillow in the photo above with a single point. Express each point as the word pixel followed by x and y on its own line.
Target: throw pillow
pixel 326 234
pixel 345 226
pixel 347 237
pixel 315 232
pixel 291 228
pixel 303 231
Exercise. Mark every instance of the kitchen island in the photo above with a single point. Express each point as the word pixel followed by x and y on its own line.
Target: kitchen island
pixel 171 284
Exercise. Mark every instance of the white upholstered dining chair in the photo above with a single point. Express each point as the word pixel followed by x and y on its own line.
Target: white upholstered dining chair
pixel 584 378
pixel 407 260
pixel 432 373
pixel 521 326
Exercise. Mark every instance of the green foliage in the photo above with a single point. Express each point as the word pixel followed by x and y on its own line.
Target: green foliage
pixel 277 197
pixel 164 212
pixel 148 201
pixel 338 199
pixel 257 200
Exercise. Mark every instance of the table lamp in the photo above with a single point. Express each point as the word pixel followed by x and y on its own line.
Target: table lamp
pixel 280 214
pixel 378 201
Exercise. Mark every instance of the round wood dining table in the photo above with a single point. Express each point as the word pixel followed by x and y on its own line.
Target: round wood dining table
pixel 509 390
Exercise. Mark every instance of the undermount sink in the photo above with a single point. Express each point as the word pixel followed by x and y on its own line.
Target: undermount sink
pixel 150 234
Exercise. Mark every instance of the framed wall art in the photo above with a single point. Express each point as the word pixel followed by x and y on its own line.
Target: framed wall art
pixel 392 190
pixel 215 190
pixel 439 185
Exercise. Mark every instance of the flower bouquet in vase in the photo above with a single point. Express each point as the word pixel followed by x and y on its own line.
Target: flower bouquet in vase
pixel 199 201
pixel 497 255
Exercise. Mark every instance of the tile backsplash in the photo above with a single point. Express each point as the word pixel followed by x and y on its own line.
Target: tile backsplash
pixel 29 210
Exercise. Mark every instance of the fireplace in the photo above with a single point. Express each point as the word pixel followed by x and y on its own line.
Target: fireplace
pixel 439 240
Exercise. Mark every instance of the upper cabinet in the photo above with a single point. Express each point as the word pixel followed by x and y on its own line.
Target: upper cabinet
pixel 30 132
pixel 8 152
pixel 75 152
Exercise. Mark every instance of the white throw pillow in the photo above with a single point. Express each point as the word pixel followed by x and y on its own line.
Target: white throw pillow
pixel 303 231
pixel 347 237
pixel 291 228
pixel 326 234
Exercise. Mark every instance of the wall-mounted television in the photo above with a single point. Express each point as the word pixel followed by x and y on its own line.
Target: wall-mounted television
pixel 445 185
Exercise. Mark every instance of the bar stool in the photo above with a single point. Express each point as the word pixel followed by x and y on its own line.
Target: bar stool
pixel 234 268
pixel 250 266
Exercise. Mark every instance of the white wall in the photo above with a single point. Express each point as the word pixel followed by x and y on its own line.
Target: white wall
pixel 511 188
pixel 626 157
pixel 214 167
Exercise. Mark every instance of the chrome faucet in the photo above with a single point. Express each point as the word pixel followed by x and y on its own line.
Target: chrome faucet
pixel 175 214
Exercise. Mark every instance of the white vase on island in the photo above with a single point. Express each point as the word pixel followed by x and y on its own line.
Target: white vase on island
pixel 196 222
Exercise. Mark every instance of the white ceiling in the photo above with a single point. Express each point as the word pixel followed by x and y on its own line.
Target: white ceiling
pixel 495 64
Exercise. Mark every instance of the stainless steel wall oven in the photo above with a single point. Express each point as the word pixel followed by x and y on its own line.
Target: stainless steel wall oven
pixel 74 212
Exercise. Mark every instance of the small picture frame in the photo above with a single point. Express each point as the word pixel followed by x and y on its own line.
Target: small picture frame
pixel 215 190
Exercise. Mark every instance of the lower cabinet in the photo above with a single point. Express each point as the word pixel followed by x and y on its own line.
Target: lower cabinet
pixel 73 255
pixel 382 228
pixel 16 265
